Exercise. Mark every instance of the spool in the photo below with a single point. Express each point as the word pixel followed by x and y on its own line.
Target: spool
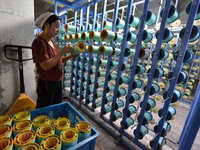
pixel 176 95
pixel 194 34
pixel 131 110
pixel 22 126
pixel 108 99
pixel 159 72
pixel 94 61
pixel 124 80
pixel 195 68
pixel 114 63
pixel 147 117
pixel 121 92
pixel 103 62
pixel 51 142
pixel 107 25
pixel 89 100
pixel 20 116
pixel 166 128
pixel 107 36
pixel 30 146
pixel 132 37
pixel 120 23
pixel 101 74
pixel 39 121
pixel 69 32
pixel 129 122
pixel 134 97
pixel 82 28
pixel 78 37
pixel 193 75
pixel 60 124
pixel 23 138
pixel 151 18
pixel 52 121
pixel 137 83
pixel 5 131
pixel 140 69
pixel 126 66
pixel 118 38
pixel 117 115
pixel 144 53
pixel 105 50
pixel 143 131
pixel 147 37
pixel 85 36
pixel 119 104
pixel 89 27
pixel 116 51
pixel 95 36
pixel 84 130
pixel 69 137
pixel 161 142
pixel 134 21
pixel 93 49
pixel 99 94
pixel 78 47
pixel 97 27
pixel 171 112
pixel 129 52
pixel 98 104
pixel 191 81
pixel 154 88
pixel 150 104
pixel 6 143
pixel 172 16
pixel 70 28
pixel 164 54
pixel 71 38
pixel 112 76
pixel 60 38
pixel 6 120
pixel 181 78
pixel 110 88
pixel 187 10
pixel 44 131
pixel 168 36
pixel 100 84
pixel 107 109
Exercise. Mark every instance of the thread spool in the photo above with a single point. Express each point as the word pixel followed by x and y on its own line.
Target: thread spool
pixel 85 36
pixel 164 54
pixel 121 92
pixel 117 115
pixel 103 62
pixel 70 28
pixel 195 68
pixel 134 21
pixel 173 14
pixel 69 32
pixel 78 47
pixel 147 37
pixel 60 124
pixel 93 49
pixel 129 52
pixel 189 87
pixel 44 131
pixel 99 94
pixel 78 37
pixel 120 23
pixel 101 73
pixel 94 60
pixel 181 78
pixel 118 38
pixel 6 143
pixel 161 142
pixel 176 95
pixel 171 112
pixel 131 110
pixel 166 128
pixel 91 81
pixel 6 120
pixel 129 122
pixel 97 27
pixel 84 130
pixel 187 10
pixel 107 36
pixel 154 88
pixel 5 131
pixel 144 53
pixel 124 80
pixel 105 50
pixel 51 142
pixel 69 137
pixel 110 88
pixel 100 84
pixel 159 72
pixel 140 69
pixel 95 36
pixel 68 70
pixel 151 18
pixel 108 99
pixel 112 76
pixel 22 126
pixel 39 121
pixel 143 131
pixel 193 75
pixel 194 34
pixel 137 83
pixel 52 121
pixel 119 104
pixel 168 36
pixel 116 51
pixel 191 81
pixel 23 138
pixel 89 27
pixel 82 28
pixel 89 100
pixel 60 38
pixel 134 97
pixel 150 104
pixel 71 38
pixel 20 116
pixel 30 146
pixel 107 109
pixel 107 25
pixel 114 63
pixel 98 104
pixel 126 66
pixel 147 117
pixel 132 37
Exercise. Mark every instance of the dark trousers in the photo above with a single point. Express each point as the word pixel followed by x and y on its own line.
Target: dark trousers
pixel 49 93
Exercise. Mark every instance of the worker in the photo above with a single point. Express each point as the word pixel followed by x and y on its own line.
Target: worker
pixel 48 60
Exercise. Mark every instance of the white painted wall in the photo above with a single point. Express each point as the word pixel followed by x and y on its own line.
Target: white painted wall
pixel 16 28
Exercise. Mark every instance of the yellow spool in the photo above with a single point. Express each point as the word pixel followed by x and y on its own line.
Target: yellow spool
pixel 188 90
pixel 65 37
pixel 148 67
pixel 83 127
pixel 145 81
pixel 22 125
pixel 152 122
pixel 157 97
pixel 30 146
pixel 154 110
pixel 39 121
pixel 77 36
pixel 170 56
pixel 51 142
pixel 166 71
pixel 171 51
pixel 6 143
pixel 161 84
pixel 181 89
pixel 5 131
pixel 20 116
pixel 24 137
pixel 60 124
pixel 52 121
pixel 185 97
pixel 159 64
pixel 6 120
pixel 175 104
pixel 71 37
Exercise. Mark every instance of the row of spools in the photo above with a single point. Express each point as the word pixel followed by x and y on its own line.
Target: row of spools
pixel 19 132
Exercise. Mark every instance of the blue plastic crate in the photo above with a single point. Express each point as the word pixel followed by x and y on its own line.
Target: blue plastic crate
pixel 66 109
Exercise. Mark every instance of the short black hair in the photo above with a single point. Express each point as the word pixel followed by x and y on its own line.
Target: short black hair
pixel 51 20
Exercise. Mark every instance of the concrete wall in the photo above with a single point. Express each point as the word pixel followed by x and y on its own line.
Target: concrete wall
pixel 17 28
